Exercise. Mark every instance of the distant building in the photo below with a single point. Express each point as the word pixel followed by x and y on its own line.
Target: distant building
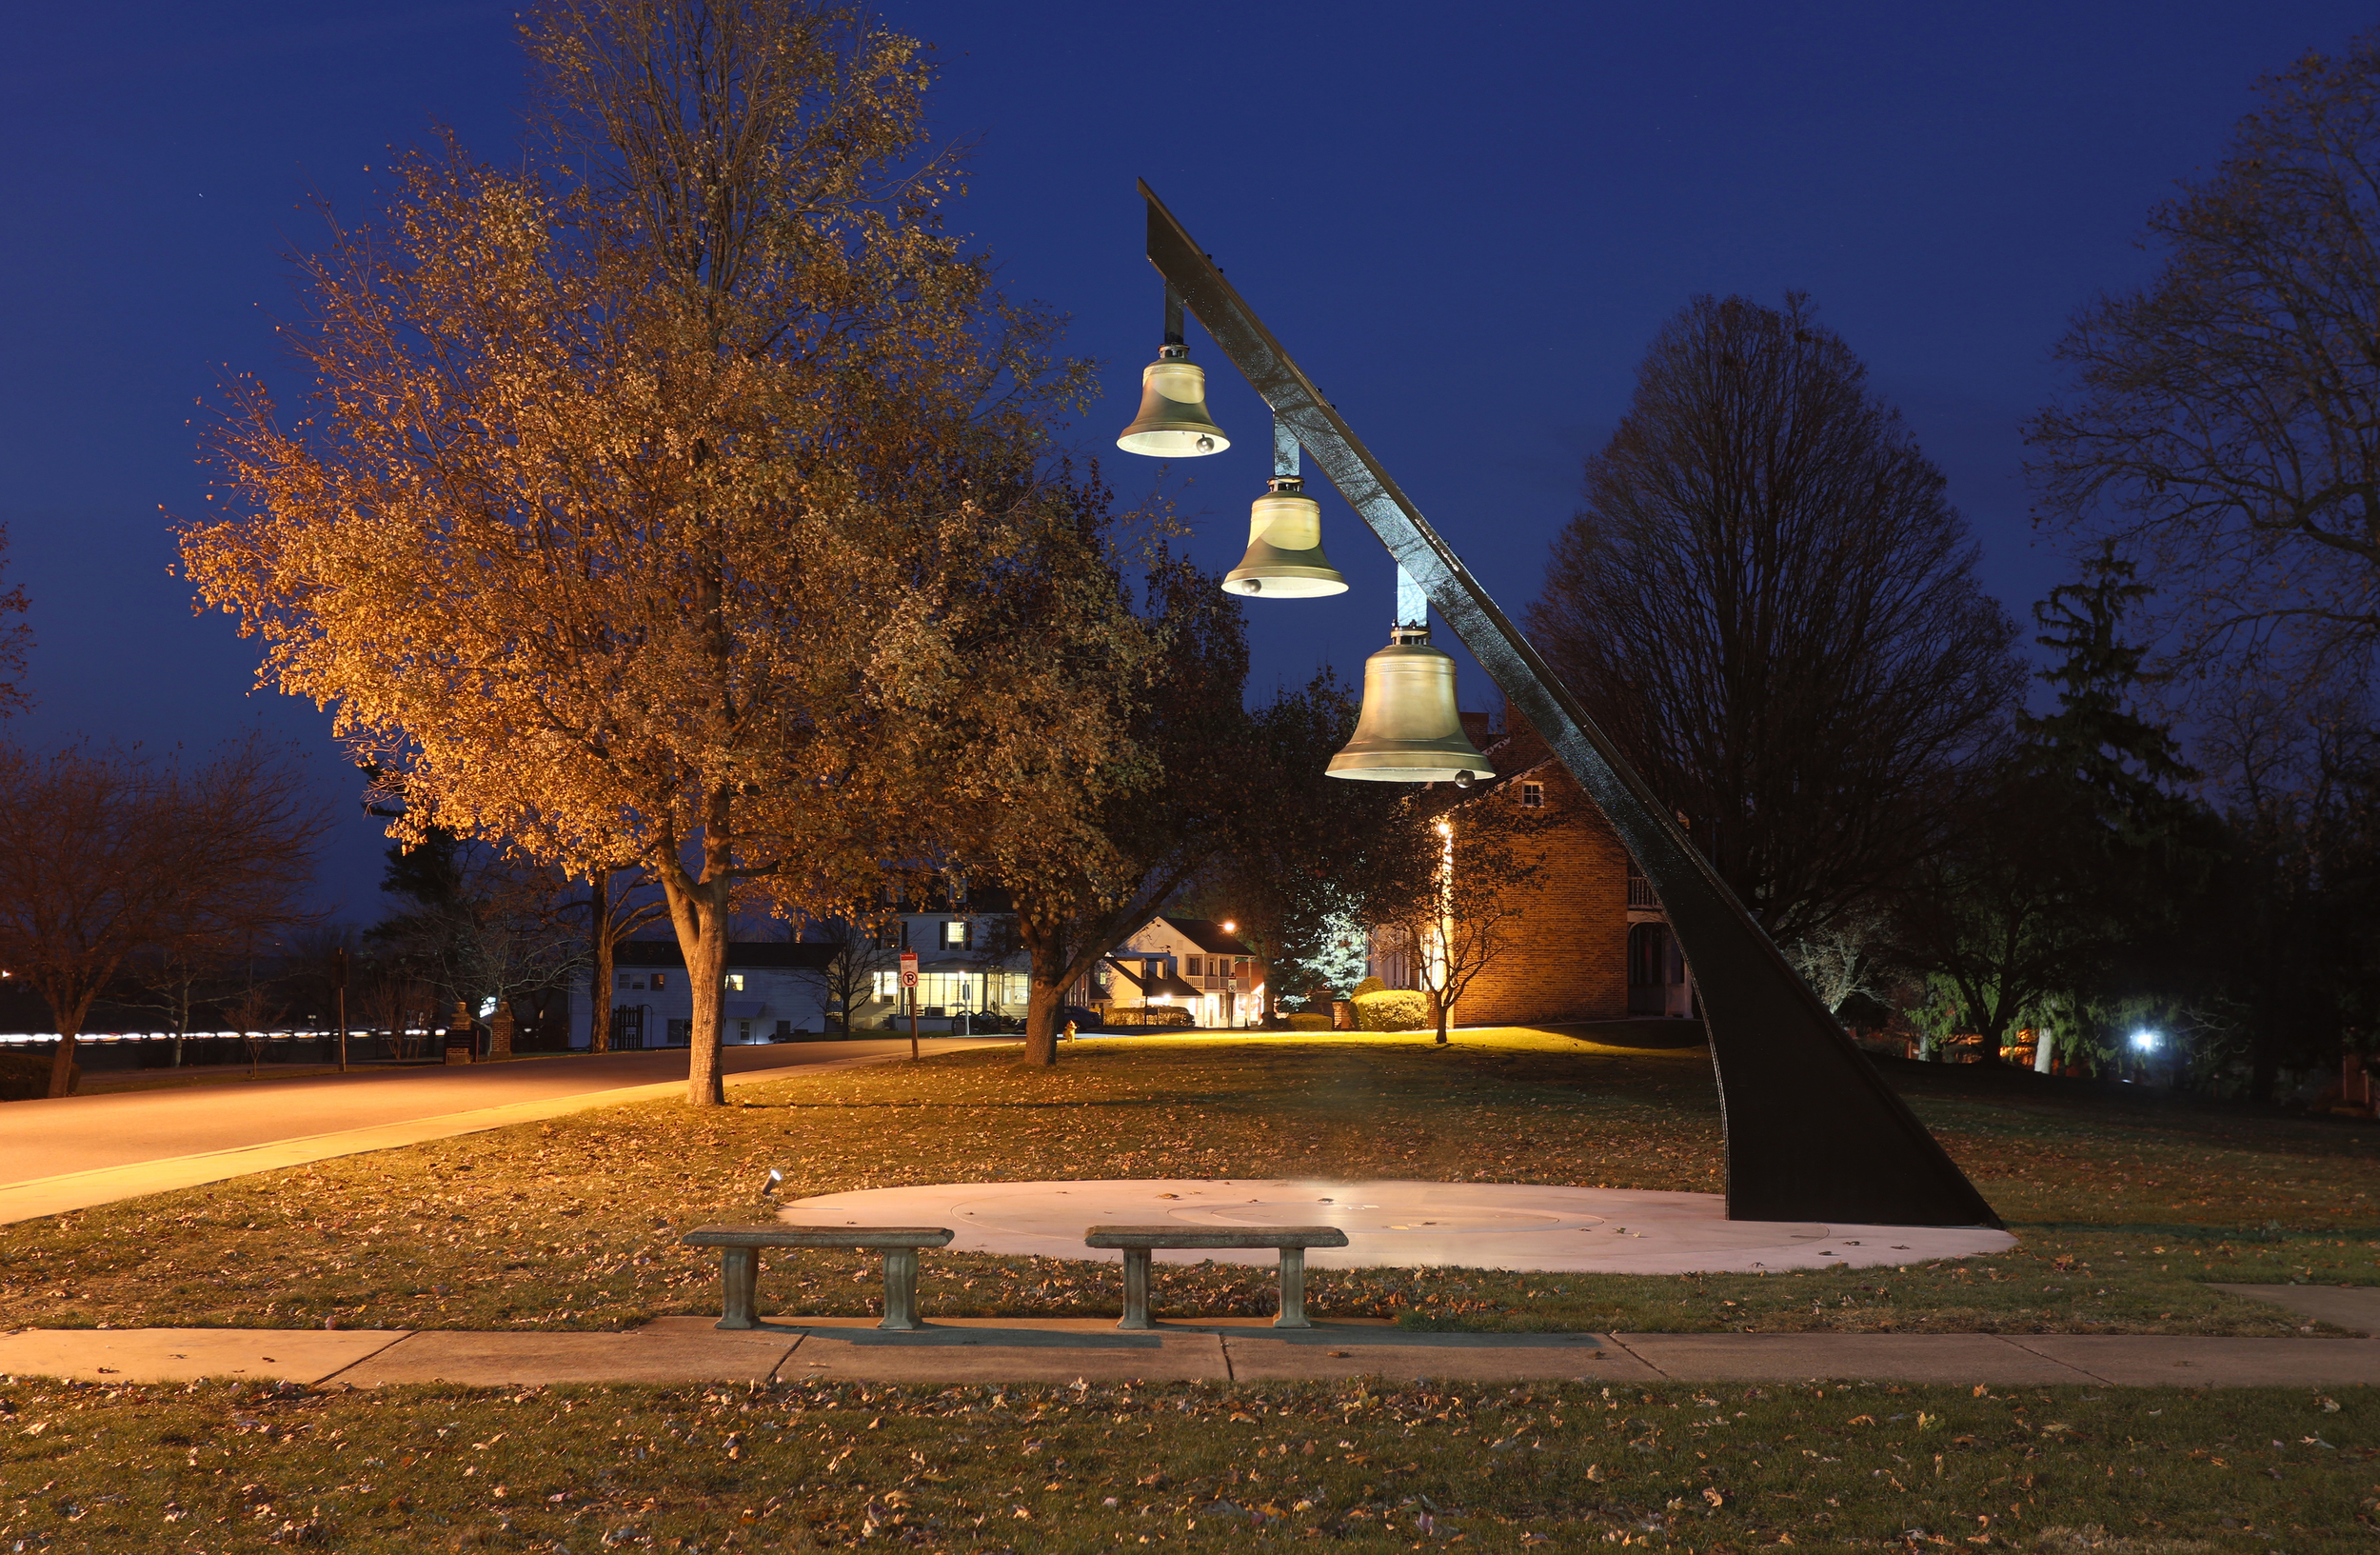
pixel 1592 943
pixel 1193 964
pixel 771 995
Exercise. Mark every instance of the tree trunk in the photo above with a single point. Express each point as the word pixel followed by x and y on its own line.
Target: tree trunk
pixel 2044 1050
pixel 699 911
pixel 599 997
pixel 62 1063
pixel 1045 989
pixel 1438 1010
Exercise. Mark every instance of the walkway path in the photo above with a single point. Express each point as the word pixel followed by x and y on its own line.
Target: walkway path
pixel 82 1151
pixel 1061 1350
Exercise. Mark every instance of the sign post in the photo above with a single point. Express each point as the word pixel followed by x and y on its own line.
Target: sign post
pixel 909 987
pixel 339 982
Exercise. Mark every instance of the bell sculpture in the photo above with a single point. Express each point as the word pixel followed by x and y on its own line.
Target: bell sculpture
pixel 1284 559
pixel 1409 730
pixel 1172 422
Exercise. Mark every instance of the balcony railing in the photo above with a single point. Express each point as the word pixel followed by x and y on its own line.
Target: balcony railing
pixel 1640 893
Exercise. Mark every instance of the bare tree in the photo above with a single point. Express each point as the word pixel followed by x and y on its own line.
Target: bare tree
pixel 618 902
pixel 1771 606
pixel 2224 424
pixel 848 977
pixel 1451 886
pixel 483 926
pixel 105 854
pixel 16 640
pixel 658 475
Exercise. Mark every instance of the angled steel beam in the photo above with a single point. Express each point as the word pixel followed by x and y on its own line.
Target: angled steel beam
pixel 1812 1131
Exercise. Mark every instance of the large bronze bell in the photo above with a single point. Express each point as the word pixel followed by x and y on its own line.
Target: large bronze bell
pixel 1172 422
pixel 1410 730
pixel 1284 559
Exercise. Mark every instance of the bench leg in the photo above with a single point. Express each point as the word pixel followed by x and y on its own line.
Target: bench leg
pixel 1292 1290
pixel 739 1271
pixel 901 1289
pixel 1135 1289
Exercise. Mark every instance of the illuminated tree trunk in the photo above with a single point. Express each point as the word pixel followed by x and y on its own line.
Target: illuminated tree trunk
pixel 599 993
pixel 1045 947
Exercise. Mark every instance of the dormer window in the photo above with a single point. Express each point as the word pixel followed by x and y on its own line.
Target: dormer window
pixel 1533 796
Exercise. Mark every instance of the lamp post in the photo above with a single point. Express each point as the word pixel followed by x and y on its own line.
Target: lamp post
pixel 1812 1131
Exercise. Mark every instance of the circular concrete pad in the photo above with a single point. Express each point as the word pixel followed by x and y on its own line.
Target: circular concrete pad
pixel 1505 1226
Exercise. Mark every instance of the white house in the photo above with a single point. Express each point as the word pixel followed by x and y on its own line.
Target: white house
pixel 773 994
pixel 1192 962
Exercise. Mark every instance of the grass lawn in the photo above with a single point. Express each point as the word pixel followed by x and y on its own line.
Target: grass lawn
pixel 225 1467
pixel 2126 1205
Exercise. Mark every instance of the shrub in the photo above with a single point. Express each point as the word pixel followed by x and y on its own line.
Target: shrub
pixel 1309 1023
pixel 1371 985
pixel 1150 1015
pixel 25 1077
pixel 1392 1009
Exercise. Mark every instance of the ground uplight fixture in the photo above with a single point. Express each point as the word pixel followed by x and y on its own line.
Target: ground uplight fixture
pixel 2145 1040
pixel 1172 422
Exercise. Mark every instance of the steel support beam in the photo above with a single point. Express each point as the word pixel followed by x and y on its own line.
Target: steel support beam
pixel 1812 1133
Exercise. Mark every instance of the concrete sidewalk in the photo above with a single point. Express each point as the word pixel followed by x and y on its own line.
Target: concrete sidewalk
pixel 1061 1350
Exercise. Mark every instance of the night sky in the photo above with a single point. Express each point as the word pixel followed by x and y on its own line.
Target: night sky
pixel 1466 222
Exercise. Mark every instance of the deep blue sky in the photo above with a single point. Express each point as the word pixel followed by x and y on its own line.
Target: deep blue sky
pixel 1465 221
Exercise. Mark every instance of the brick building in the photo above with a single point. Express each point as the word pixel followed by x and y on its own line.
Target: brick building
pixel 1591 942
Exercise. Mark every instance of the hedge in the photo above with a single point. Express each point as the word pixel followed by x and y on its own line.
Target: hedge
pixel 1309 1023
pixel 1392 1009
pixel 25 1077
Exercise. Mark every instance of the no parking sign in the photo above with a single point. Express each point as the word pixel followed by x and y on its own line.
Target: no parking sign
pixel 908 968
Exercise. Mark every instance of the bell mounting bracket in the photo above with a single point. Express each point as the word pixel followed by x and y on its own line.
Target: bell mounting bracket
pixel 1812 1133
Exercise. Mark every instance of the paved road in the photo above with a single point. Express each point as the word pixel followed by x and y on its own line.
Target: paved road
pixel 91 1133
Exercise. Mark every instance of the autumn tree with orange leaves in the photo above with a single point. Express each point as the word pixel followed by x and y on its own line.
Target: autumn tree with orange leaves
pixel 654 492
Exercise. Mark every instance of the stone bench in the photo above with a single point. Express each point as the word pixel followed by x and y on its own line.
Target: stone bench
pixel 1137 1242
pixel 740 1261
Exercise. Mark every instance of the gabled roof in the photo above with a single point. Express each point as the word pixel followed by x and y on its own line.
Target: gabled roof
pixel 1209 935
pixel 1165 985
pixel 741 954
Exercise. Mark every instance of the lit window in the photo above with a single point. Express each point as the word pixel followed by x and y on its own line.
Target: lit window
pixel 1533 796
pixel 660 980
pixel 735 981
pixel 954 934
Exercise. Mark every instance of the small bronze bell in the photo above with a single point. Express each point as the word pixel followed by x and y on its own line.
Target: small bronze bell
pixel 1410 730
pixel 1284 559
pixel 1172 422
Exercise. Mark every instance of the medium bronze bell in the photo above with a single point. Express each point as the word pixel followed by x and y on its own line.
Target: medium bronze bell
pixel 1172 422
pixel 1284 559
pixel 1410 730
